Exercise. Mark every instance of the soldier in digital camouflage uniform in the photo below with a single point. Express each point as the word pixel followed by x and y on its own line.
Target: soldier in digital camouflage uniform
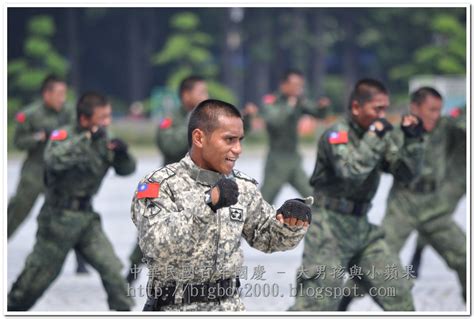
pixel 77 158
pixel 172 140
pixel 421 204
pixel 282 113
pixel 191 216
pixel 351 157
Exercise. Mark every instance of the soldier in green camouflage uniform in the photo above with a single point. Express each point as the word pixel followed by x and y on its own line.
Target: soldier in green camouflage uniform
pixel 454 184
pixel 191 216
pixel 282 113
pixel 77 159
pixel 33 127
pixel 421 204
pixel 351 157
pixel 172 140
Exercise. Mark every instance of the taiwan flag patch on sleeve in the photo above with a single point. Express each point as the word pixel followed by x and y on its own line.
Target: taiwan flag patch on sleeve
pixel 148 190
pixel 58 135
pixel 269 99
pixel 340 137
pixel 455 112
pixel 20 117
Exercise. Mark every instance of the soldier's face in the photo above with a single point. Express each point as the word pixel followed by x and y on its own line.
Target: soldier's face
pixel 293 86
pixel 195 96
pixel 368 112
pixel 222 147
pixel 55 96
pixel 429 111
pixel 102 116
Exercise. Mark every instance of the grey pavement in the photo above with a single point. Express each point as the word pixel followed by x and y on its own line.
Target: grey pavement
pixel 436 289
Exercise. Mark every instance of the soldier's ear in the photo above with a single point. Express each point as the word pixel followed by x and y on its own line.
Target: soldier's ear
pixel 198 138
pixel 84 121
pixel 413 108
pixel 355 108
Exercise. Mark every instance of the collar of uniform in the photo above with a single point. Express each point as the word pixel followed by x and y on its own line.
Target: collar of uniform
pixel 79 129
pixel 356 127
pixel 200 175
pixel 183 111
pixel 49 109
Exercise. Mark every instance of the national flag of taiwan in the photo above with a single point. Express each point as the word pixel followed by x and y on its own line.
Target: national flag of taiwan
pixel 269 99
pixel 58 135
pixel 455 112
pixel 148 190
pixel 20 117
pixel 166 122
pixel 338 137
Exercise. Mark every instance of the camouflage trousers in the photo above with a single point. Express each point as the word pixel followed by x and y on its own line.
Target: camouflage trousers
pixel 233 303
pixel 339 247
pixel 29 188
pixel 431 216
pixel 452 192
pixel 58 232
pixel 282 168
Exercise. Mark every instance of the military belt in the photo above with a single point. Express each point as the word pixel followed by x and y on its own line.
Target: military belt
pixel 207 292
pixel 345 206
pixel 72 203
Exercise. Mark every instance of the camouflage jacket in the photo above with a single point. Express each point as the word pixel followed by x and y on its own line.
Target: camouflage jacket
pixel 172 136
pixel 282 120
pixel 184 241
pixel 445 149
pixel 456 165
pixel 76 164
pixel 34 119
pixel 350 161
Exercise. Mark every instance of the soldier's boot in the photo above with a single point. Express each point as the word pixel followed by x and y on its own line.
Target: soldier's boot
pixel 416 260
pixel 81 264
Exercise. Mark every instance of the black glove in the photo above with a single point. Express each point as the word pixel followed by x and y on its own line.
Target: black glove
pixel 119 146
pixel 100 133
pixel 414 130
pixel 386 127
pixel 228 193
pixel 297 208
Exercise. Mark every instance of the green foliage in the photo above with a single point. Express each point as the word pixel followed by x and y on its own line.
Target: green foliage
pixel 176 47
pixel 37 47
pixel 40 58
pixel 443 52
pixel 334 88
pixel 31 79
pixel 221 92
pixel 188 51
pixel 186 21
pixel 42 26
